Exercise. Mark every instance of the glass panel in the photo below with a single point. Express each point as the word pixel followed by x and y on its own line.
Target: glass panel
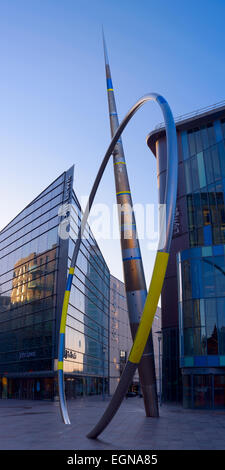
pixel 223 127
pixel 221 207
pixel 187 314
pixel 205 139
pixel 202 391
pixel 191 140
pixel 201 170
pixel 196 313
pixel 205 208
pixel 197 341
pixel 219 264
pixel 194 172
pixel 219 391
pixel 207 231
pixel 197 209
pixel 216 163
pixel 188 342
pixel 213 206
pixel 208 166
pixel 196 279
pixel 200 237
pixel 208 277
pixel 217 237
pixel 187 398
pixel 184 141
pixel 187 168
pixel 186 279
pixel 211 327
pixel 221 325
pixel 190 204
pixel 198 139
pixel 221 150
pixel 211 134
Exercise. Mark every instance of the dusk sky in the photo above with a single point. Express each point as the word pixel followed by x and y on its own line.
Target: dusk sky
pixel 53 101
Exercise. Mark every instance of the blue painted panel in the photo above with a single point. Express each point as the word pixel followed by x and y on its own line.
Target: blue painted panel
pixel 109 83
pixel 195 252
pixel 185 255
pixel 207 231
pixel 218 250
pixel 200 361
pixel 213 361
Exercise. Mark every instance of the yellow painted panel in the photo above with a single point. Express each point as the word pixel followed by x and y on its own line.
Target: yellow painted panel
pixel 64 311
pixel 150 307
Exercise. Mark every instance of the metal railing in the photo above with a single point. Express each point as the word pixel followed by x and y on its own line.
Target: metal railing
pixel 183 117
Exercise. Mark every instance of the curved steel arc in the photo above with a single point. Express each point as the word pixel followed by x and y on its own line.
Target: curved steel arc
pixel 158 272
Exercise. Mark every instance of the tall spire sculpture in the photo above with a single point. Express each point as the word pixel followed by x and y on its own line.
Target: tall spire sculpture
pixel 134 278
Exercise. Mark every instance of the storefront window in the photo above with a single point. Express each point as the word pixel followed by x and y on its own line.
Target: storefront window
pixel 202 391
pixel 211 326
pixel 219 391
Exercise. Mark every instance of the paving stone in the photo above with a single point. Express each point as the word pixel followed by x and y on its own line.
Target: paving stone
pixel 38 425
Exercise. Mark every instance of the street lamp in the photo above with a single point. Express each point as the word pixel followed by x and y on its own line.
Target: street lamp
pixel 159 333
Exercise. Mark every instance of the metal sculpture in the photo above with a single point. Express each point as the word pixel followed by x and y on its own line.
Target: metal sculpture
pixel 134 278
pixel 158 272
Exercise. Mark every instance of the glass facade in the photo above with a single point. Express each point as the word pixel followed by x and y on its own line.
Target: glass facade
pixel 171 378
pixel 87 329
pixel 202 308
pixel 33 269
pixel 120 335
pixel 201 268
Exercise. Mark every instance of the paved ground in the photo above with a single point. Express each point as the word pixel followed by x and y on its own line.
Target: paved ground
pixel 38 425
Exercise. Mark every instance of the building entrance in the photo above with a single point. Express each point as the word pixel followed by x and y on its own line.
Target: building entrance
pixel 204 391
pixel 28 389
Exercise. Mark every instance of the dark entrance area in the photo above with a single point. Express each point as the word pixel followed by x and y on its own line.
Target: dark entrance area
pixel 204 391
pixel 30 388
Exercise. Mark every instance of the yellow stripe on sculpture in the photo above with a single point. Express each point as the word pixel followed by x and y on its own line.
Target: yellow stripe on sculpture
pixel 150 307
pixel 60 365
pixel 64 311
pixel 122 192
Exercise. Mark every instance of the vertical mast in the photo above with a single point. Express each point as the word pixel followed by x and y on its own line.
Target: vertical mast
pixel 132 262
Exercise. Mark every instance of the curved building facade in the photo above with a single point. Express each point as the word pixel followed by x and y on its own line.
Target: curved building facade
pixel 193 297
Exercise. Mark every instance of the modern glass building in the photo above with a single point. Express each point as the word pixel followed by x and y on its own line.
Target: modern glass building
pixel 33 270
pixel 120 335
pixel 193 297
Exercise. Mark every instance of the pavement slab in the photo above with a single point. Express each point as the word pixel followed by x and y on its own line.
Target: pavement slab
pixel 37 425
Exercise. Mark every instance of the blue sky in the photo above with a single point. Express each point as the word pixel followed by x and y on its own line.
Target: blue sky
pixel 53 95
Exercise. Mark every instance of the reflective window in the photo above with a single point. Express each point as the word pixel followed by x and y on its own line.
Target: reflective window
pixel 187 314
pixel 211 326
pixel 208 166
pixel 201 170
pixel 202 391
pixel 188 342
pixel 208 277
pixel 194 172
pixel 187 168
pixel 216 163
pixel 186 279
pixel 185 148
pixel 191 140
